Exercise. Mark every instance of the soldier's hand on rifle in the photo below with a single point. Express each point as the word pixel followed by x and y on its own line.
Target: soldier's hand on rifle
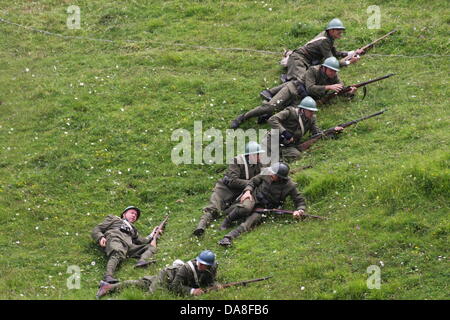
pixel 246 195
pixel 197 292
pixel 102 242
pixel 352 90
pixel 359 51
pixel 354 59
pixel 335 87
pixel 298 214
pixel 338 129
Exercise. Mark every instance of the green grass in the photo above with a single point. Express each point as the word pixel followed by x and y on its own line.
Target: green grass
pixel 85 130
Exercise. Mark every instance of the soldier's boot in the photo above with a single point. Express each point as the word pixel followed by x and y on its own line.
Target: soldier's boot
pixel 104 289
pixel 232 216
pixel 266 95
pixel 114 260
pixel 143 263
pixel 109 279
pixel 263 118
pixel 144 259
pixel 227 240
pixel 237 122
pixel 203 224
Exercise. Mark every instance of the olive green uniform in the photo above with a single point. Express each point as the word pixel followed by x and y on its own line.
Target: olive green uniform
pixel 287 95
pixel 314 52
pixel 266 194
pixel 315 80
pixel 312 83
pixel 291 120
pixel 180 280
pixel 122 241
pixel 229 188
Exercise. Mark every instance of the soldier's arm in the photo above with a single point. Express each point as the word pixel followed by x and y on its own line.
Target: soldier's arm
pixel 297 198
pixel 141 240
pixel 314 127
pixel 254 183
pixel 100 229
pixel 276 120
pixel 311 86
pixel 233 174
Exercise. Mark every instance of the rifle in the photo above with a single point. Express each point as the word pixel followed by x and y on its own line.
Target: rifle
pixel 231 284
pixel 346 89
pixel 156 232
pixel 369 46
pixel 280 211
pixel 305 145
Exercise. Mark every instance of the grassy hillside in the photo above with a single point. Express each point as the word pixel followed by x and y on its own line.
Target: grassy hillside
pixel 85 130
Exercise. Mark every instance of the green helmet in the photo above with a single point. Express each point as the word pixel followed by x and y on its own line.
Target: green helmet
pixel 308 103
pixel 331 63
pixel 252 147
pixel 335 24
pixel 280 169
pixel 129 208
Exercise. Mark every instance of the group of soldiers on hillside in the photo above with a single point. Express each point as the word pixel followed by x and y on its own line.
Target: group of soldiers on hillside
pixel 247 184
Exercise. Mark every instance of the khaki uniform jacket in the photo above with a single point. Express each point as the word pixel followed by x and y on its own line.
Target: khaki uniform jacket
pixel 288 119
pixel 238 175
pixel 315 81
pixel 184 279
pixel 111 228
pixel 272 194
pixel 320 48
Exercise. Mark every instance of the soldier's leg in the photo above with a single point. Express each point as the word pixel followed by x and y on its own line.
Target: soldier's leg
pixel 218 201
pixel 264 109
pixel 240 210
pixel 116 252
pixel 297 66
pixel 247 225
pixel 290 154
pixel 107 288
pixel 142 252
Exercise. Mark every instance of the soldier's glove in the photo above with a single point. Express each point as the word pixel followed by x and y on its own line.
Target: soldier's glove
pixel 285 137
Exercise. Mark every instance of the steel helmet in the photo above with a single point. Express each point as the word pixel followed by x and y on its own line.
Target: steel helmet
pixel 129 208
pixel 206 257
pixel 331 63
pixel 308 103
pixel 252 147
pixel 335 24
pixel 280 169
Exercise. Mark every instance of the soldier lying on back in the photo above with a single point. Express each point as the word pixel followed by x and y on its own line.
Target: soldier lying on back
pixel 119 239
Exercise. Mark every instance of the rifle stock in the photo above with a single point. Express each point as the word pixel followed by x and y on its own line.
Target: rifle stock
pixel 305 145
pixel 231 284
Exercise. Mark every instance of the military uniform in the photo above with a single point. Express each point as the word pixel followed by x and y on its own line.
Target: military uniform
pixel 312 53
pixel 288 94
pixel 178 279
pixel 290 122
pixel 315 80
pixel 312 83
pixel 266 194
pixel 122 241
pixel 229 188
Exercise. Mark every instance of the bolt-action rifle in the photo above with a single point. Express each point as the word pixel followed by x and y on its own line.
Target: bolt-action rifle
pixel 305 145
